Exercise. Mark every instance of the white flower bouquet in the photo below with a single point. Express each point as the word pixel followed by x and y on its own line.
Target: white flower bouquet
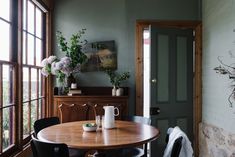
pixel 70 64
pixel 58 67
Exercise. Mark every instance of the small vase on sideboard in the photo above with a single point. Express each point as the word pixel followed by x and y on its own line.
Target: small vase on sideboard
pixel 119 92
pixel 114 91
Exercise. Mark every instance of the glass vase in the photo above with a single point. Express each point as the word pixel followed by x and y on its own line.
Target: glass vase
pixel 62 86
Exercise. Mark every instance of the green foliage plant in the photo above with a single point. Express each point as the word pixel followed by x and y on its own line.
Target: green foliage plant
pixel 73 49
pixel 115 78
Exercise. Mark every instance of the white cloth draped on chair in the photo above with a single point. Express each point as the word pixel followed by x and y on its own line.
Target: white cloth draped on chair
pixel 186 149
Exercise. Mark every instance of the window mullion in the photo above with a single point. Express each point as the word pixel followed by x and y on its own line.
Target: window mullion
pixel 35 35
pixel 18 76
pixel 26 34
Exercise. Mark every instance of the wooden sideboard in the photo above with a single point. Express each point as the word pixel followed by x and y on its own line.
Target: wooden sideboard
pixel 96 98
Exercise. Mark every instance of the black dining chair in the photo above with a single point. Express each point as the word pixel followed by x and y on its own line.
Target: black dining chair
pixel 135 151
pixel 176 148
pixel 46 122
pixel 45 149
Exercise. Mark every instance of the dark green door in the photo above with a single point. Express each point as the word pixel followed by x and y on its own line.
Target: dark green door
pixel 171 82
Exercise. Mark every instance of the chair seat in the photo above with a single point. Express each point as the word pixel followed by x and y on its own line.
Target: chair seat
pixel 125 152
pixel 76 152
pixel 133 152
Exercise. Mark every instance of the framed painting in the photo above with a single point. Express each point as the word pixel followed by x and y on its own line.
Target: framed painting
pixel 101 55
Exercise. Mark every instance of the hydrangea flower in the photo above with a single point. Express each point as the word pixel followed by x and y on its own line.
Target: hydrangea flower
pixel 51 59
pixel 45 72
pixel 54 71
pixel 60 68
pixel 44 62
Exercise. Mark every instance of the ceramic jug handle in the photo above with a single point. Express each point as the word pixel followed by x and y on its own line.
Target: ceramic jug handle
pixel 117 111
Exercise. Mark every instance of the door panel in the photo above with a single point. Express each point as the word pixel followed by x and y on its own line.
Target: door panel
pixel 181 78
pixel 163 61
pixel 172 92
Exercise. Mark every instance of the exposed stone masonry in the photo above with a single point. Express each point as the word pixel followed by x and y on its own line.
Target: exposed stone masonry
pixel 216 142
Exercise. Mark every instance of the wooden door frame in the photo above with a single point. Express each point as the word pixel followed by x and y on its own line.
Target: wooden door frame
pixel 197 98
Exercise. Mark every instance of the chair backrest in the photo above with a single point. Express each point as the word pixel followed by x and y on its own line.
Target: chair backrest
pixel 142 120
pixel 33 148
pixel 44 123
pixel 175 152
pixel 138 119
pixel 176 147
pixel 44 149
pixel 73 112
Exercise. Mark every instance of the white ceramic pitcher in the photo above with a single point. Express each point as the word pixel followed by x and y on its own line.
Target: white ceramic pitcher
pixel 109 114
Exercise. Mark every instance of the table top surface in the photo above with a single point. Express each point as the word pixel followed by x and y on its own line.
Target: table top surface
pixel 125 134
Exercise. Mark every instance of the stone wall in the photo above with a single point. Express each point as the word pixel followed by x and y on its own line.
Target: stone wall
pixel 216 142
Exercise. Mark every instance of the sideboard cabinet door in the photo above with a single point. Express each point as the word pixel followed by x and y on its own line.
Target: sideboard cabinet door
pixel 94 104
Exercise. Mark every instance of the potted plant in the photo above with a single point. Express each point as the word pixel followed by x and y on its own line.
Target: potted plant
pixel 116 80
pixel 73 51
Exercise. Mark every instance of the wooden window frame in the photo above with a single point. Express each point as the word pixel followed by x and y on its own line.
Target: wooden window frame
pixel 32 66
pixel 197 101
pixel 16 38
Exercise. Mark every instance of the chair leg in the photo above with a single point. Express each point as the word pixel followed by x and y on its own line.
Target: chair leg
pixel 146 150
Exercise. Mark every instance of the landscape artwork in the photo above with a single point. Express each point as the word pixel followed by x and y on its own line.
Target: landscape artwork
pixel 101 55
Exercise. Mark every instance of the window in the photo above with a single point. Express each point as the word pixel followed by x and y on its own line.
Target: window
pixel 32 56
pixel 7 70
pixel 32 49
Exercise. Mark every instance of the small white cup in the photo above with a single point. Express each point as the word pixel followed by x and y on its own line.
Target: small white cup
pixel 73 85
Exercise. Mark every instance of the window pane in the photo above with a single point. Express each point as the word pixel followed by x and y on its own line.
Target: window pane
pixel 7 85
pixel 38 23
pixel 38 52
pixel 33 83
pixel 33 113
pixel 24 14
pixel 25 120
pixel 24 48
pixel 5 9
pixel 7 127
pixel 40 83
pixel 25 84
pixel 4 40
pixel 30 49
pixel 30 17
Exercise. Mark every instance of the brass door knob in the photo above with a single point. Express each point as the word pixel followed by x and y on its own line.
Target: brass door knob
pixel 154 80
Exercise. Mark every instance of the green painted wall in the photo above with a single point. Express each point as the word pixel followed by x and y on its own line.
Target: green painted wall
pixel 218 39
pixel 115 20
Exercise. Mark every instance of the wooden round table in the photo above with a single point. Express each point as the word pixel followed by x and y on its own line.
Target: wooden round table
pixel 125 134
